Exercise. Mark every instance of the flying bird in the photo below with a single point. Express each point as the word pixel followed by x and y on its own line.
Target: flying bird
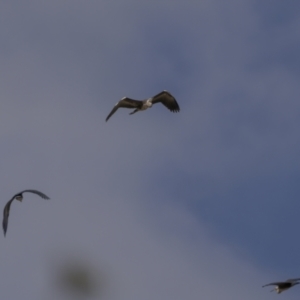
pixel 283 285
pixel 18 197
pixel 163 97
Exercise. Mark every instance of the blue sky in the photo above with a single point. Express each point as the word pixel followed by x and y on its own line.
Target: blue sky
pixel 165 205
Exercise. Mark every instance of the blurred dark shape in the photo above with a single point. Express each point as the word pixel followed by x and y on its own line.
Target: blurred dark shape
pixel 78 279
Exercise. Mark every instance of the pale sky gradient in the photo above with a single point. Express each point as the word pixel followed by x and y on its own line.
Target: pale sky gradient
pixel 203 204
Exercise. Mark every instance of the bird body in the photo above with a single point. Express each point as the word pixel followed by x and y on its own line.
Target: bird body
pixel 18 197
pixel 163 97
pixel 147 104
pixel 283 285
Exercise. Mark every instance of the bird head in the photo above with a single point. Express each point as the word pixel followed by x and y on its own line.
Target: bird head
pixel 278 289
pixel 19 198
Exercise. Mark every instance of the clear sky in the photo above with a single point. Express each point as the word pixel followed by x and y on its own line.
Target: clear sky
pixel 202 204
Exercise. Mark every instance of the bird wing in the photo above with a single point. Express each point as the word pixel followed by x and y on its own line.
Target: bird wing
pixel 273 283
pixel 293 280
pixel 35 192
pixel 167 100
pixel 6 215
pixel 126 103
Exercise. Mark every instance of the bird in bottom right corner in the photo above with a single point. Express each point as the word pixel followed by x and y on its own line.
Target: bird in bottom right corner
pixel 281 286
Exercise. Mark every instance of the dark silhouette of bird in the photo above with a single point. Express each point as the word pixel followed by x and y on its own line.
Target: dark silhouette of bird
pixel 18 197
pixel 283 285
pixel 163 97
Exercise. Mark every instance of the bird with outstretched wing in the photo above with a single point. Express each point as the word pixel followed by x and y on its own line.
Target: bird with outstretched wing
pixel 18 197
pixel 163 97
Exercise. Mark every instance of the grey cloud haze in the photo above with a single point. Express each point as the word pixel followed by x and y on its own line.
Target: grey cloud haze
pixel 167 206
